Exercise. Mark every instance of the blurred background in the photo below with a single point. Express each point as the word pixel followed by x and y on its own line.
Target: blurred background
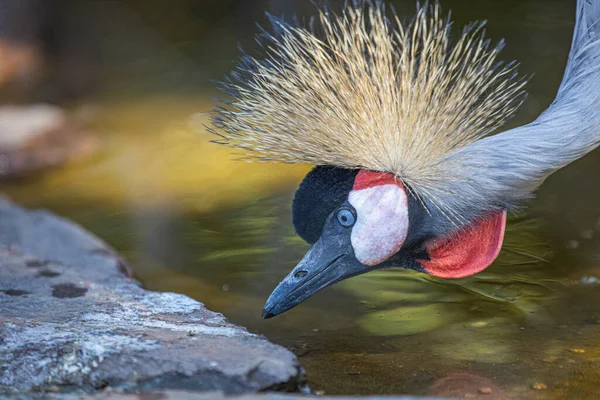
pixel 102 107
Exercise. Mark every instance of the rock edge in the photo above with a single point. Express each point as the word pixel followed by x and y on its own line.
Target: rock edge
pixel 73 320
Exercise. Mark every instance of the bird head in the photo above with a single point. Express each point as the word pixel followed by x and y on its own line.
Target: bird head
pixel 398 117
pixel 359 221
pixel 358 92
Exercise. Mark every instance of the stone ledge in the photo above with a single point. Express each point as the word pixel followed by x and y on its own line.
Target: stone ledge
pixel 72 320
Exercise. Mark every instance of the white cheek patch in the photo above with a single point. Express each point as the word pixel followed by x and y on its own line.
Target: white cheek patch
pixel 382 222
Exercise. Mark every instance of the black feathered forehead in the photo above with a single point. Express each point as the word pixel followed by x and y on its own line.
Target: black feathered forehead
pixel 319 194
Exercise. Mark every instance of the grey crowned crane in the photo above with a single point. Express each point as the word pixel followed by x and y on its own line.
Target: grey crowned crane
pixel 399 121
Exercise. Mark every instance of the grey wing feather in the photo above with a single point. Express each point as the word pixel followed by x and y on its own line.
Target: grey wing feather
pixel 501 170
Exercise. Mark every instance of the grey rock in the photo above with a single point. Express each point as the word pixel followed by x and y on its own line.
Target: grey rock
pixel 73 320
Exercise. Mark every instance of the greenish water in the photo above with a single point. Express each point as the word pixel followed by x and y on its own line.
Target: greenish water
pixel 191 220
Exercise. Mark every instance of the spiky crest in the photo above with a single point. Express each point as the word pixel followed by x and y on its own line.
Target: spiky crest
pixel 361 89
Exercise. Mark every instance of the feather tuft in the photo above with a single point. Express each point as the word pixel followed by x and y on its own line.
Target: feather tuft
pixel 361 89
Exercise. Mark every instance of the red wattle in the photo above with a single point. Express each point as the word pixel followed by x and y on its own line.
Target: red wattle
pixel 468 251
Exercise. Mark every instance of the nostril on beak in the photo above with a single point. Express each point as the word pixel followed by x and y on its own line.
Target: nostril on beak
pixel 300 274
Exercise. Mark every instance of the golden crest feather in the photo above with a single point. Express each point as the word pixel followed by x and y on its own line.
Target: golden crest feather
pixel 361 89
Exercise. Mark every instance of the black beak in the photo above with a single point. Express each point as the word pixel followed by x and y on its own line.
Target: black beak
pixel 327 262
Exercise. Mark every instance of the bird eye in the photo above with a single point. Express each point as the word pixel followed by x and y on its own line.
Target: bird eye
pixel 345 217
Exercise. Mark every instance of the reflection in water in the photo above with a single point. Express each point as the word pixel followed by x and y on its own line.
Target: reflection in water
pixel 467 385
pixel 406 302
pixel 191 220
